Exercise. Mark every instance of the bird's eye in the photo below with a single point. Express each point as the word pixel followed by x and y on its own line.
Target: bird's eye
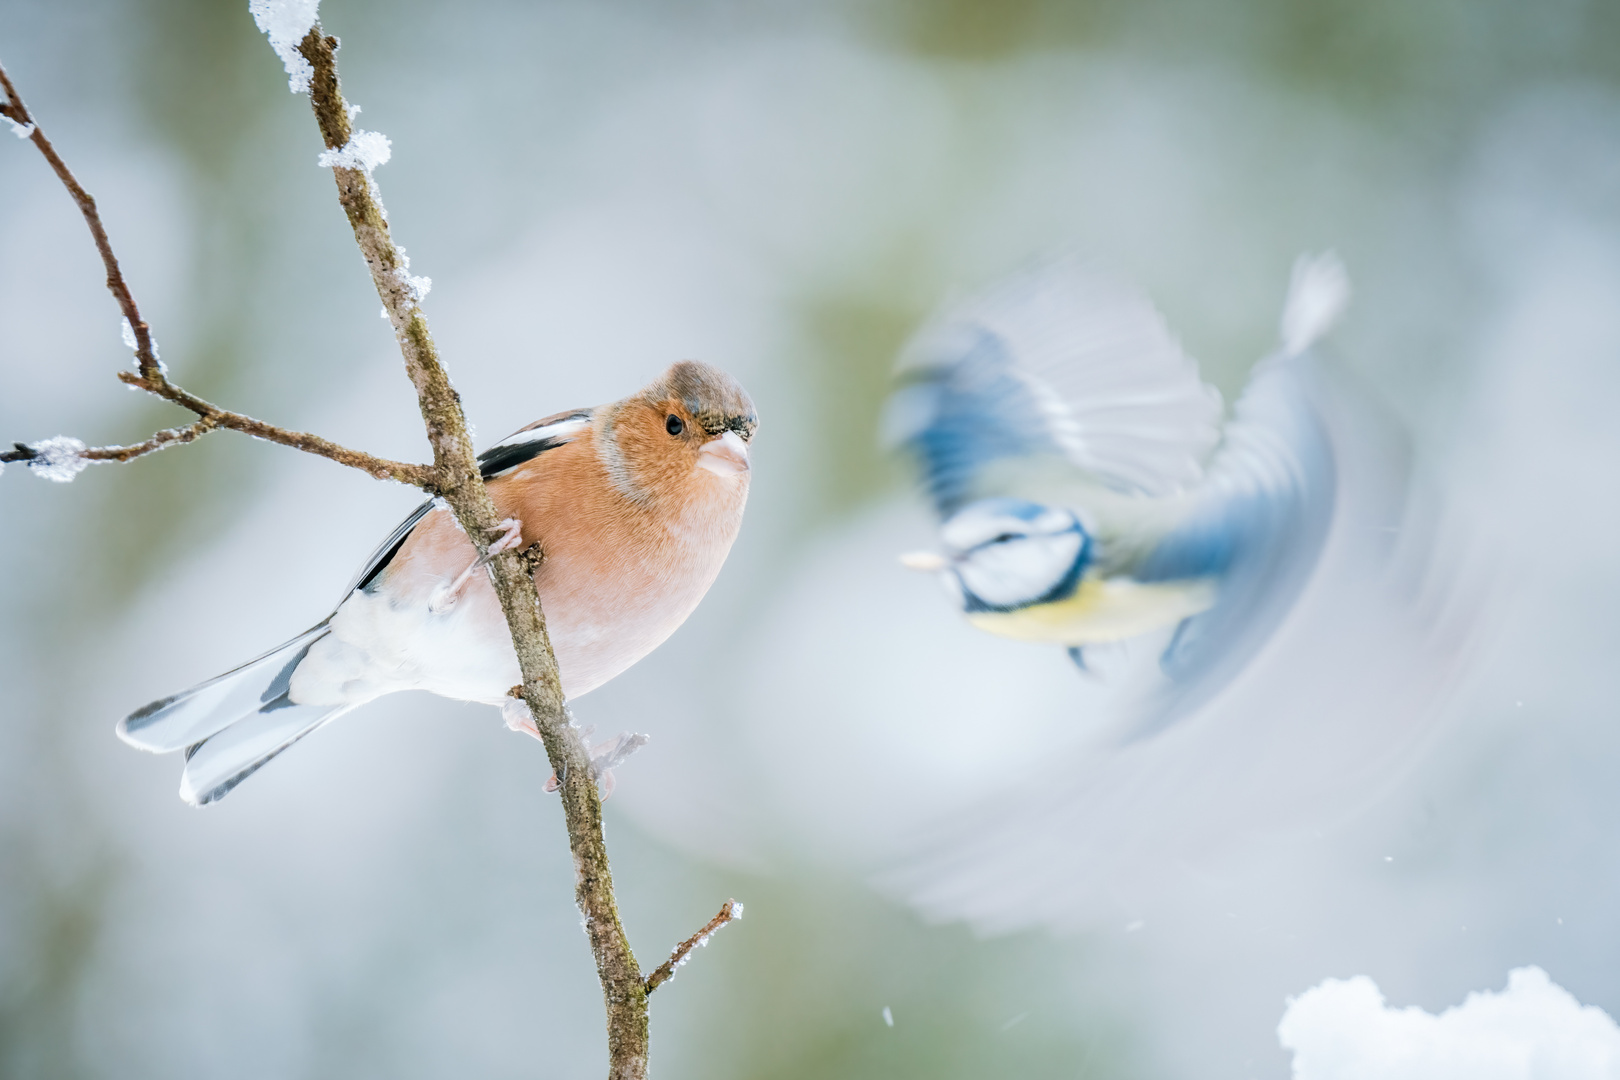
pixel 673 425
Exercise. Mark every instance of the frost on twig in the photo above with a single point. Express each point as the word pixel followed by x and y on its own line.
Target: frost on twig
pixel 59 459
pixel 133 344
pixel 64 460
pixel 664 972
pixel 364 150
pixel 285 22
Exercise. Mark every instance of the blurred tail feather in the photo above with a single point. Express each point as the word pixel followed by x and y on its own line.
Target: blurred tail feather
pixel 1318 293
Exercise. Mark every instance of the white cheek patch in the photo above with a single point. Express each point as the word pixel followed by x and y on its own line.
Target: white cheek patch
pixel 1019 571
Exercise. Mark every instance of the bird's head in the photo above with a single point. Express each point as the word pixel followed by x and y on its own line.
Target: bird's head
pixel 1005 554
pixel 692 424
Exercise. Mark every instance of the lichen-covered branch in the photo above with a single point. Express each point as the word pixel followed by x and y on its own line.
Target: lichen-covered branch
pixel 151 375
pixel 666 971
pixel 623 989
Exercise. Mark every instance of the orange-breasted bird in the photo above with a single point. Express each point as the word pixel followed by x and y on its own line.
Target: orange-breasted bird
pixel 634 505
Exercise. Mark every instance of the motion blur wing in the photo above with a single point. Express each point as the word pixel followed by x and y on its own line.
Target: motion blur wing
pixel 1333 700
pixel 1261 520
pixel 1058 362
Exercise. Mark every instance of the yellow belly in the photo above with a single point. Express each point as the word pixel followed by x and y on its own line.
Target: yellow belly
pixel 1101 611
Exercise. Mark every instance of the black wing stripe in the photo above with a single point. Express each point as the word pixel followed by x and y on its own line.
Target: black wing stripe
pixel 388 549
pixel 530 443
pixel 498 460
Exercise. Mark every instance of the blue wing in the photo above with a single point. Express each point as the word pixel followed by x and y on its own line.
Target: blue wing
pixel 1058 362
pixel 1260 526
pixel 961 417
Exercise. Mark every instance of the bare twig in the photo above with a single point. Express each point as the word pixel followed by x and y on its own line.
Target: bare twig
pixel 151 375
pixel 14 110
pixel 623 989
pixel 666 971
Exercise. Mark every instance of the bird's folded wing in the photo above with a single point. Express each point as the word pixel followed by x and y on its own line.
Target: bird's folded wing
pixel 1057 361
pixel 528 443
pixel 519 447
pixel 386 550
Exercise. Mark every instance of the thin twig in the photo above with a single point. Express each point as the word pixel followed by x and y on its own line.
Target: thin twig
pixel 151 375
pixel 666 971
pixel 15 111
pixel 623 990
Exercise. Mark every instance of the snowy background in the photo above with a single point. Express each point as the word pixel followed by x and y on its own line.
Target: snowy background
pixel 598 189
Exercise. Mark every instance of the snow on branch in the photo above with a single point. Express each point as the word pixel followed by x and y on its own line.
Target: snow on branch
pixel 664 972
pixel 285 22
pixel 62 458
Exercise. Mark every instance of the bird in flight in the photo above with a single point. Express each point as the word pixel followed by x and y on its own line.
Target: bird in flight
pixel 1087 489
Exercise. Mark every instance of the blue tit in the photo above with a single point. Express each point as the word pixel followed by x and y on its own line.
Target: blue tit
pixel 1087 488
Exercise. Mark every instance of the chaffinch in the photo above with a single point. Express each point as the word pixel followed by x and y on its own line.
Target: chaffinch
pixel 1070 448
pixel 634 505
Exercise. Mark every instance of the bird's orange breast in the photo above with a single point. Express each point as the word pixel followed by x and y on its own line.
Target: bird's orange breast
pixel 618 575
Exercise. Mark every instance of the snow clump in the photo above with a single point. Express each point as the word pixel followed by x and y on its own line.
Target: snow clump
pixel 417 286
pixel 58 459
pixel 285 23
pixel 364 150
pixel 1533 1030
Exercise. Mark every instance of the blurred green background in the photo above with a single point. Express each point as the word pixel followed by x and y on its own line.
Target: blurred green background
pixel 598 189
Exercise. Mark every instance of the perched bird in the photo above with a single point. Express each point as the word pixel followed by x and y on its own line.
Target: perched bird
pixel 634 506
pixel 1087 489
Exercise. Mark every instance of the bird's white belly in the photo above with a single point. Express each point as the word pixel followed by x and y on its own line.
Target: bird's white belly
pixel 377 646
pixel 380 642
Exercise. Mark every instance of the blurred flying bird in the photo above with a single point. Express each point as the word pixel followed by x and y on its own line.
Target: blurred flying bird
pixel 634 505
pixel 1087 490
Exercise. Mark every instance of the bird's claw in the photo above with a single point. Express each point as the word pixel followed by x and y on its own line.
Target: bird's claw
pixel 605 756
pixel 515 711
pixel 511 536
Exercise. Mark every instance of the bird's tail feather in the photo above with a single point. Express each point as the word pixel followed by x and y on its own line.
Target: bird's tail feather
pixel 189 717
pixel 231 725
pixel 218 763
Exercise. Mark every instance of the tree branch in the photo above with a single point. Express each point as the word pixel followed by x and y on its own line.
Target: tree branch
pixel 623 989
pixel 151 375
pixel 664 972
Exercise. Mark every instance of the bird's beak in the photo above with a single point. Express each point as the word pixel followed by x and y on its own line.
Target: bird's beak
pixel 725 455
pixel 924 560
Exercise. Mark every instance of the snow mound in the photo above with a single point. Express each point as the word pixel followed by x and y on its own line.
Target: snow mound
pixel 1533 1030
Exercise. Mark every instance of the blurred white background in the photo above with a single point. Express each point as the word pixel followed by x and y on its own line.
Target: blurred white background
pixel 599 189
